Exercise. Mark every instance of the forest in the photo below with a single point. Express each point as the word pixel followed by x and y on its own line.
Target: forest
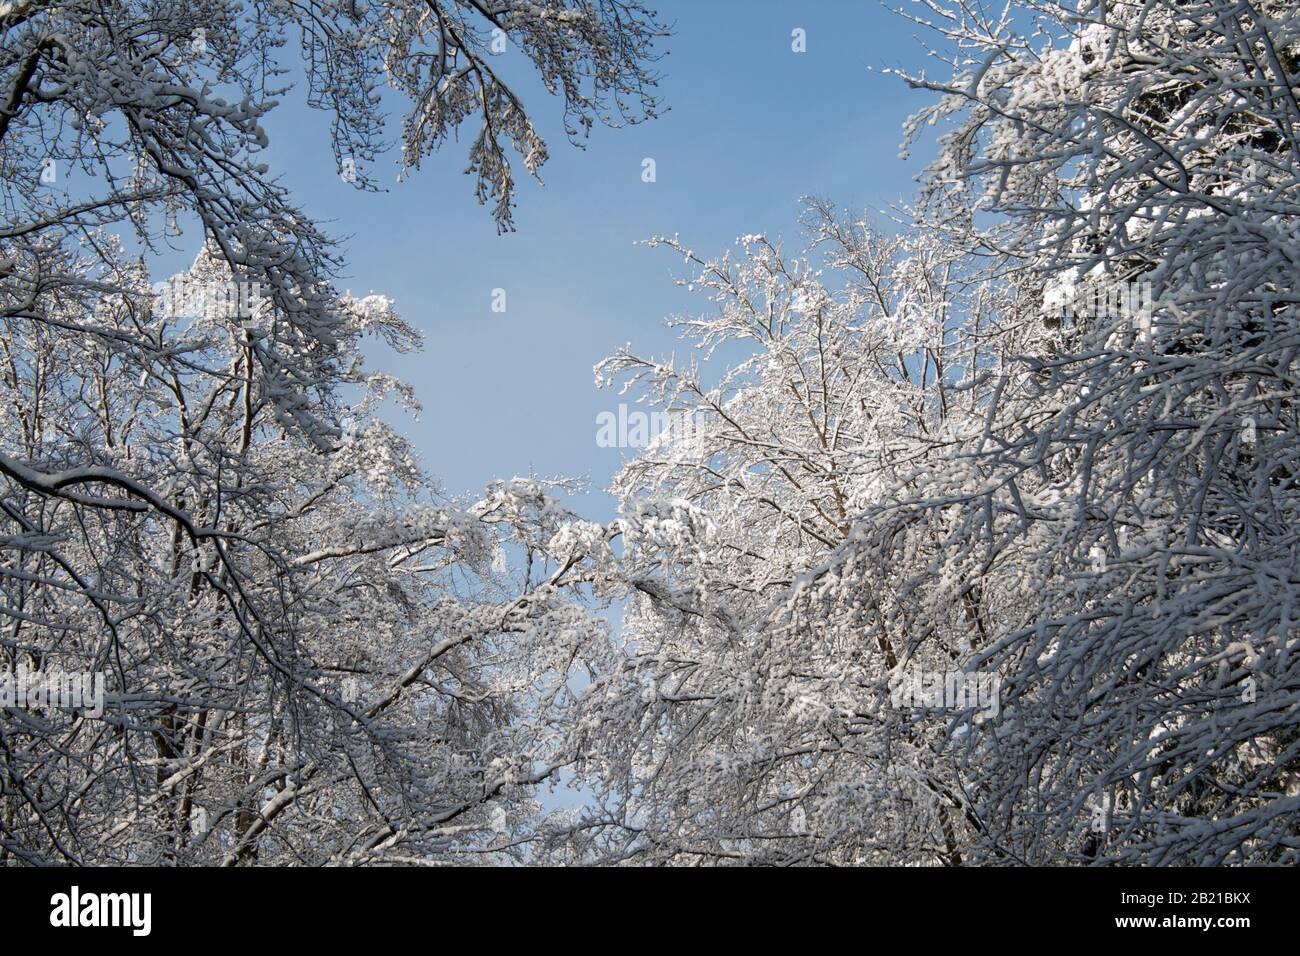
pixel 967 536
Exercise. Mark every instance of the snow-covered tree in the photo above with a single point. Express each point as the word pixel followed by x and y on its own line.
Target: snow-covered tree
pixel 1135 483
pixel 1078 483
pixel 745 722
pixel 311 655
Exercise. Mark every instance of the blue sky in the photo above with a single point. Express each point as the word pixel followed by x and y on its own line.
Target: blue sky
pixel 751 127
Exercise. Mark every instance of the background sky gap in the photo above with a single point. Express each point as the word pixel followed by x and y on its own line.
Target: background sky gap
pixel 751 127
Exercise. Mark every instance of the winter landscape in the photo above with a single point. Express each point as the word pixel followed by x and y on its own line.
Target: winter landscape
pixel 876 443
